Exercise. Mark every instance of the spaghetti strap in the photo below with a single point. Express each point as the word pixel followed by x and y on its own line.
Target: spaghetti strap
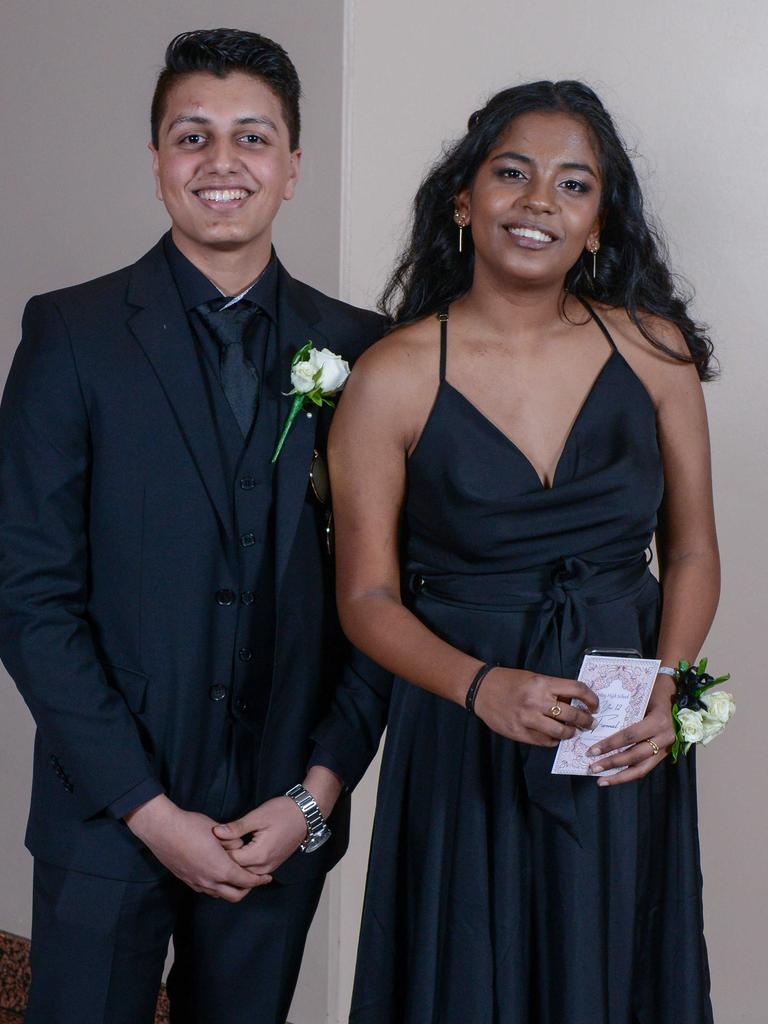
pixel 442 316
pixel 598 321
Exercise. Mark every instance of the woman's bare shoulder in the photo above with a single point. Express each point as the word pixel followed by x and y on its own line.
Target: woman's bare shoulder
pixel 405 358
pixel 626 332
pixel 658 370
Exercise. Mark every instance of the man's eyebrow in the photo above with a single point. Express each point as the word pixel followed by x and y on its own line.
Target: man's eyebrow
pixel 199 119
pixel 257 119
pixel 187 119
pixel 522 158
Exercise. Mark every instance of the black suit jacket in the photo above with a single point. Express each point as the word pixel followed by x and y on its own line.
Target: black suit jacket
pixel 115 535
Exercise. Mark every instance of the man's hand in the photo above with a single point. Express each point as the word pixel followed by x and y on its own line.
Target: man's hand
pixel 262 839
pixel 266 837
pixel 184 842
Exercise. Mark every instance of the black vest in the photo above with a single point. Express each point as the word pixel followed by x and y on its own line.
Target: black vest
pixel 250 475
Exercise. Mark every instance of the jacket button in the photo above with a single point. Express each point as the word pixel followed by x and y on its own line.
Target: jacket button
pixel 225 597
pixel 247 597
pixel 245 654
pixel 247 483
pixel 217 692
pixel 248 540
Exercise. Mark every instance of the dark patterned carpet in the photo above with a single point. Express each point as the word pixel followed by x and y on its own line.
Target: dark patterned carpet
pixel 14 981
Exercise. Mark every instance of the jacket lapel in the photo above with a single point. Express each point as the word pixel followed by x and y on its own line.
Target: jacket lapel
pixel 161 328
pixel 297 324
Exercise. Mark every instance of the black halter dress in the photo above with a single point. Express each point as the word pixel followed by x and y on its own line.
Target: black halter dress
pixel 498 893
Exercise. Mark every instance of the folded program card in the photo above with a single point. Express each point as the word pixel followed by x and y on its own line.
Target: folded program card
pixel 623 687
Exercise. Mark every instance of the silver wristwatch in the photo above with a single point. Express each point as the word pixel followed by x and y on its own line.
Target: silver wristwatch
pixel 318 831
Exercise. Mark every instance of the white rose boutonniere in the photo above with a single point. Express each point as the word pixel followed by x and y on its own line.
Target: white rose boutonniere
pixel 315 376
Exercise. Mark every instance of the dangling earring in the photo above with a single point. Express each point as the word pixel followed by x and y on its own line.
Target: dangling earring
pixel 594 249
pixel 462 223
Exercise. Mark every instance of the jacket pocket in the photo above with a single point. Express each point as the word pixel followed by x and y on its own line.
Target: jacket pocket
pixel 131 684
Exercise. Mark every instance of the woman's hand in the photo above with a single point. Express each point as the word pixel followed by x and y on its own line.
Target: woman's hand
pixel 648 742
pixel 519 705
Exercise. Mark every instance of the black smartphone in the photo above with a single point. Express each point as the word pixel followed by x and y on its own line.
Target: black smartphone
pixel 612 652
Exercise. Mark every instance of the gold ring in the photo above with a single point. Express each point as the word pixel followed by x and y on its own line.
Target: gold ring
pixel 555 711
pixel 654 746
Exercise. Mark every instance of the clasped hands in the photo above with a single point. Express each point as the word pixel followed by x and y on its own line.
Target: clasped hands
pixel 226 860
pixel 518 704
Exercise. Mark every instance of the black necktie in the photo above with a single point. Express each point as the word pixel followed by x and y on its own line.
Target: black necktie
pixel 239 377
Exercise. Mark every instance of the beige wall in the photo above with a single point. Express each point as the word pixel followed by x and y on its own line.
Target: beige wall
pixel 688 84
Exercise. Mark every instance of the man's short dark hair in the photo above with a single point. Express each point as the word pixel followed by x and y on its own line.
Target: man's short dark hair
pixel 221 51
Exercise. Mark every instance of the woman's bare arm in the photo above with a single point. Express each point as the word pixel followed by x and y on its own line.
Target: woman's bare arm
pixel 686 539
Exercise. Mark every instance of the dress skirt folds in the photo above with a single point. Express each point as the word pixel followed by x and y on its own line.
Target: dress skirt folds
pixel 498 893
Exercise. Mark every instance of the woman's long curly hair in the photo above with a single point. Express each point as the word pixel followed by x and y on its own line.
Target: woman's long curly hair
pixel 632 271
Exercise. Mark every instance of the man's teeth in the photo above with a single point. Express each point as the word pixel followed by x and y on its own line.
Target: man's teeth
pixel 536 236
pixel 223 195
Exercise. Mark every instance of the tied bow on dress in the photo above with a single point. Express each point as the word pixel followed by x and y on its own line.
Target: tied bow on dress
pixel 562 595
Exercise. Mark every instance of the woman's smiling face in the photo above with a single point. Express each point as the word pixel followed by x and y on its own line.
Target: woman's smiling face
pixel 534 205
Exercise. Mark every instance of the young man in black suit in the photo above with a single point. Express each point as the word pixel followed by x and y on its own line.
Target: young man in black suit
pixel 166 603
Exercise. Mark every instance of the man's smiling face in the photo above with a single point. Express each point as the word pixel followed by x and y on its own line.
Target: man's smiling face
pixel 223 163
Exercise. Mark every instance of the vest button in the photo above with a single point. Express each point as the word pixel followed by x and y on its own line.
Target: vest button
pixel 247 483
pixel 245 654
pixel 247 597
pixel 240 705
pixel 225 597
pixel 248 540
pixel 217 693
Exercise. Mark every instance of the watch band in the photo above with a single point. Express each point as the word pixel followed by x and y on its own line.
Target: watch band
pixel 318 831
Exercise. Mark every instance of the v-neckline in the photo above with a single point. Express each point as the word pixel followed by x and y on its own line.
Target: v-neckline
pixel 516 447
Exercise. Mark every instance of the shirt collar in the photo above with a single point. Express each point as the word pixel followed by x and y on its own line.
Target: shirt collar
pixel 195 288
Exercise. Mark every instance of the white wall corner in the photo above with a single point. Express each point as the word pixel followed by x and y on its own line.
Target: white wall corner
pixel 347 132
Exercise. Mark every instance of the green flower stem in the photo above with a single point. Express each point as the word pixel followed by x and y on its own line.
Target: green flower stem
pixel 715 682
pixel 298 402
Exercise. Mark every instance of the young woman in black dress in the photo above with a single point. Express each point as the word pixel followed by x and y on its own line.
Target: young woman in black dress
pixel 500 464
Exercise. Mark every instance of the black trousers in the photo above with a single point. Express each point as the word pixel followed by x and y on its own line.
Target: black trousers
pixel 99 946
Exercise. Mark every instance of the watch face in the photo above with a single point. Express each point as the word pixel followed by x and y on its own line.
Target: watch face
pixel 316 841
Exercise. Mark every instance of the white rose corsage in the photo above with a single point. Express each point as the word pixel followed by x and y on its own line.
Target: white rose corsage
pixel 697 720
pixel 316 376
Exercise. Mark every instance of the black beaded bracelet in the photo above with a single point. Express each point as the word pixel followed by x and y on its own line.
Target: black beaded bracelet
pixel 474 686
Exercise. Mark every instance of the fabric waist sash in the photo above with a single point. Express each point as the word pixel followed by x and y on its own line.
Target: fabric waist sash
pixel 562 594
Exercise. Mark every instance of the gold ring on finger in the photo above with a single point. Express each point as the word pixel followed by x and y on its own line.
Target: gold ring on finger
pixel 654 746
pixel 555 711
